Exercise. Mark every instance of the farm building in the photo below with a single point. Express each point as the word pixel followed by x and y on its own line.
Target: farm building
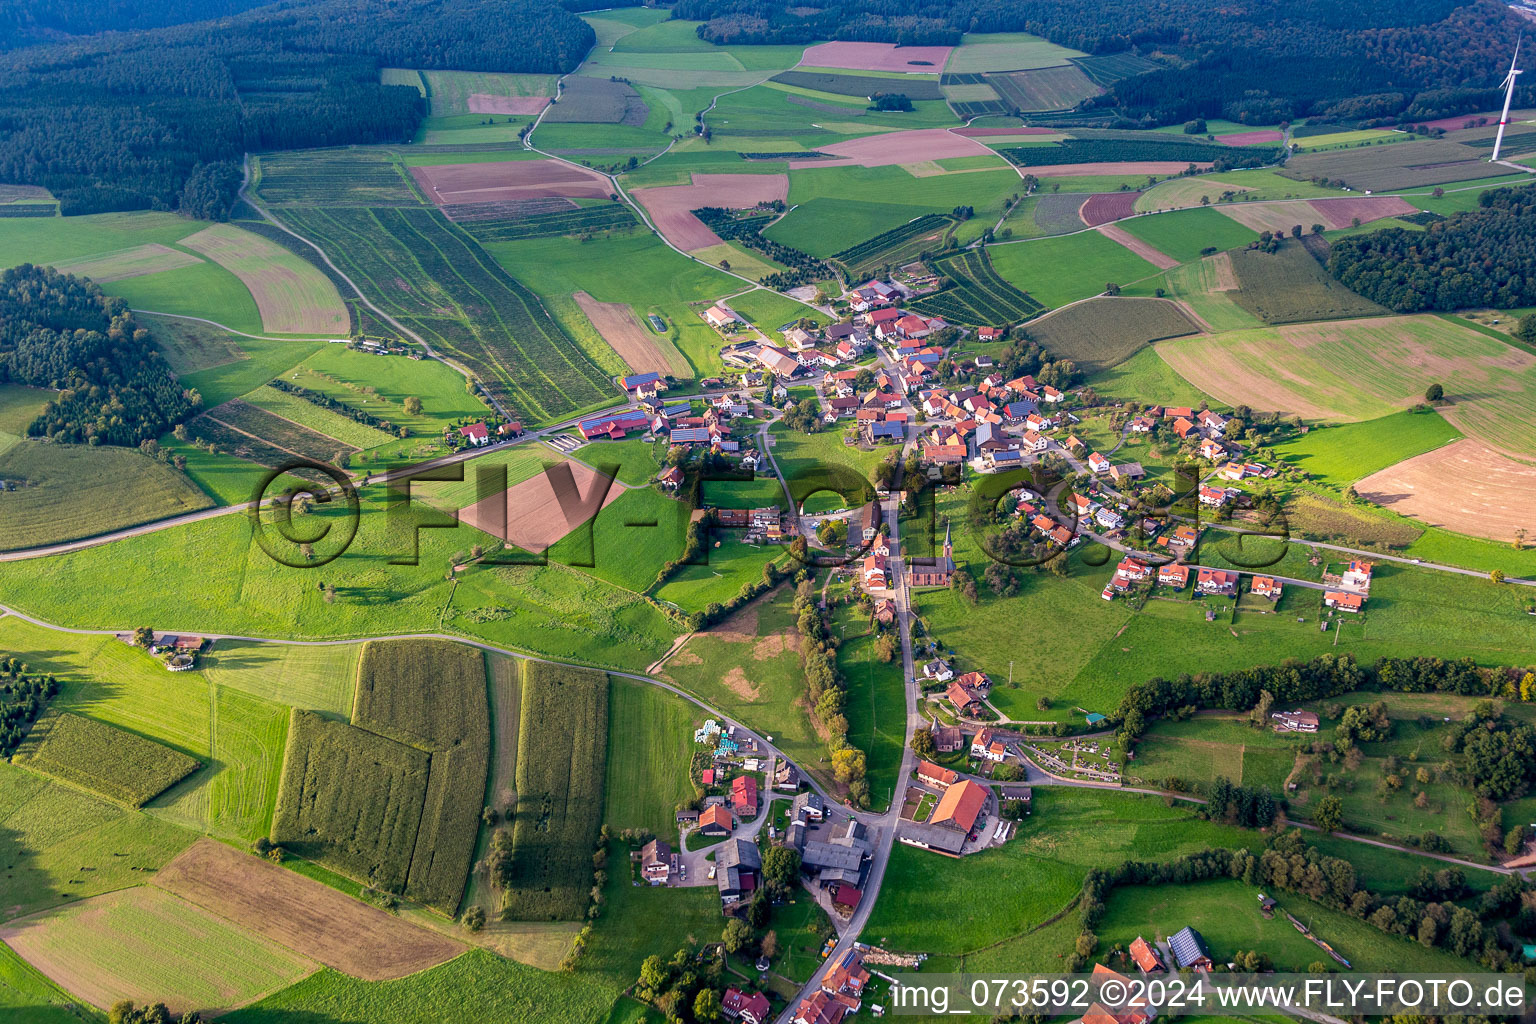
pixel 933 775
pixel 1189 950
pixel 744 796
pixel 960 806
pixel 715 820
pixel 931 837
pixel 737 866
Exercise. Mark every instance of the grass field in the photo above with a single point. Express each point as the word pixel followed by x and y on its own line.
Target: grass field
pixel 70 491
pixel 1186 234
pixel 64 844
pixel 719 576
pixel 1060 270
pixel 1365 369
pixel 876 707
pixel 28 995
pixel 1207 286
pixel 1291 287
pixel 381 384
pixel 1339 456
pixel 259 362
pixel 1197 751
pixel 650 742
pixel 1146 377
pixel 147 945
pixel 318 418
pixel 1005 51
pixel 1103 332
pixel 293 297
pixel 118 765
pixel 205 290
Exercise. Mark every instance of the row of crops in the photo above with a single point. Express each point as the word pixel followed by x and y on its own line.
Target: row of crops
pixel 974 296
pixel 583 220
pixel 894 247
pixel 433 277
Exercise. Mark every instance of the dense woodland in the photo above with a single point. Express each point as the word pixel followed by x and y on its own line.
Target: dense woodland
pixel 1249 60
pixel 123 121
pixel 58 331
pixel 1483 257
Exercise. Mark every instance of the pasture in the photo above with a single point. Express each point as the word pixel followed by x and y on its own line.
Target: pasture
pixel 292 296
pixel 486 92
pixel 1342 455
pixel 876 705
pixel 380 385
pixel 1005 51
pixel 725 568
pixel 189 346
pixel 1186 234
pixel 118 765
pixel 1207 287
pixel 562 751
pixel 1146 377
pixel 650 744
pixel 29 995
pixel 1056 271
pixel 50 240
pixel 1291 286
pixel 147 945
pixel 291 407
pixel 258 362
pixel 314 920
pixel 149 258
pixel 1364 369
pixel 463 303
pixel 64 492
pixel 203 290
pixel 1102 332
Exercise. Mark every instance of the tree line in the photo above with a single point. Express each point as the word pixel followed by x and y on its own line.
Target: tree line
pixel 1482 257
pixel 159 118
pixel 60 332
pixel 1258 61
pixel 23 696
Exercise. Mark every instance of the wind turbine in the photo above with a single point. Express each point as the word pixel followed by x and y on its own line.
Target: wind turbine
pixel 1509 94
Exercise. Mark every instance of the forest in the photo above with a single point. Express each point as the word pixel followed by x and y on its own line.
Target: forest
pixel 1252 60
pixel 1482 257
pixel 60 332
pixel 121 121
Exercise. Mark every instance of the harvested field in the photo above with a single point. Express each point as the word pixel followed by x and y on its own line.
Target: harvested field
pixel 121 766
pixel 1099 333
pixel 1362 369
pixel 498 181
pixel 1400 165
pixel 1250 138
pixel 539 511
pixel 597 101
pixel 876 57
pixel 671 207
pixel 150 946
pixel 292 295
pixel 1464 486
pixel 1110 168
pixel 894 147
pixel 1161 260
pixel 484 103
pixel 306 916
pixel 150 258
pixel 1103 207
pixel 1340 213
pixel 1043 89
pixel 616 322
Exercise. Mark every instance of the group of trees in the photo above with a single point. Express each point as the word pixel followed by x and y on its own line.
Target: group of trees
pixel 58 331
pixel 23 697
pixel 1499 754
pixel 1482 257
pixel 826 691
pixel 1248 806
pixel 1290 865
pixel 160 117
pixel 1259 61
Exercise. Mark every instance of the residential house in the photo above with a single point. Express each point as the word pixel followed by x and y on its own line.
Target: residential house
pixel 1183 536
pixel 1212 450
pixel 1013 412
pixel 786 776
pixel 841 407
pixel 960 806
pixel 1215 422
pixel 885 610
pixel 1344 602
pixel 819 1008
pixel 738 866
pixel 884 432
pixel 966 701
pixel 1141 425
pixel 1232 470
pixel 1296 721
pixel 1213 496
pixel 1216 581
pixel 798 338
pixel 1266 586
pixel 1183 428
pixel 1173 575
pixel 715 820
pixel 988 334
pixel 1189 950
pixel 656 862
pixel 1000 461
pixel 938 670
pixel 1179 412
pixel 476 434
pixel 1133 569
pixel 650 380
pixel 1035 442
pixel 1357 575
pixel 1098 463
pixel 933 775
pixel 846 979
pixel 987 746
pixel 882 318
pixel 808 806
pixel 869 520
pixel 1050 394
pixel 873 573
pixel 670 478
pixel 744 796
pixel 1108 518
pixel 1146 957
pixel 814 357
pixel 991 439
pixel 749 1009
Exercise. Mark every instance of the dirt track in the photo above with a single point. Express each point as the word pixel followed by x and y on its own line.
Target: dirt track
pixel 306 916
pixel 1464 486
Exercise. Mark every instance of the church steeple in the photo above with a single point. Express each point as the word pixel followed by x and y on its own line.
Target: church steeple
pixel 949 551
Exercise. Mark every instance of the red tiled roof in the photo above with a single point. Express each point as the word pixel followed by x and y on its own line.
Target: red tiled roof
pixel 960 806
